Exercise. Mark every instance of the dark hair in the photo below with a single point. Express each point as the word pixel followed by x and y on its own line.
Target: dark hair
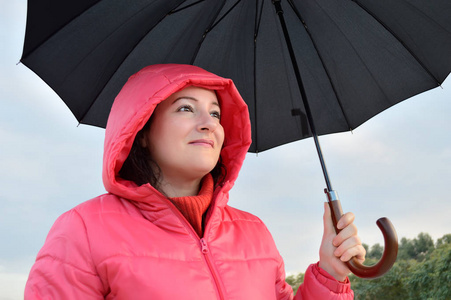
pixel 140 168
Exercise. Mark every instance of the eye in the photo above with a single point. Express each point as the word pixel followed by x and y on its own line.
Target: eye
pixel 186 108
pixel 216 114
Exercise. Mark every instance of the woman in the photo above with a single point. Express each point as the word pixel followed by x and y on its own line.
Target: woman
pixel 175 141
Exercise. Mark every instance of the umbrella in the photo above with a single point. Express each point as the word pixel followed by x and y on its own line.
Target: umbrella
pixel 305 68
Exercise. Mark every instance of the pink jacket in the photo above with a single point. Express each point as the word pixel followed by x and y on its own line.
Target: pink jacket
pixel 132 243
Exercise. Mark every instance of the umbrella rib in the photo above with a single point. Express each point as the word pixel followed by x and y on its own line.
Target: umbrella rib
pixel 399 40
pixel 258 18
pixel 298 14
pixel 210 27
pixel 225 14
pixel 184 7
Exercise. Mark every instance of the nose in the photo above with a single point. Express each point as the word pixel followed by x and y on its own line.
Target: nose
pixel 207 122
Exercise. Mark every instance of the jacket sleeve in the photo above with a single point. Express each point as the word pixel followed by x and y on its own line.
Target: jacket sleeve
pixel 319 285
pixel 64 267
pixel 283 289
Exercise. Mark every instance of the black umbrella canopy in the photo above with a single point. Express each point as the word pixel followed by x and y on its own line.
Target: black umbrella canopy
pixel 356 58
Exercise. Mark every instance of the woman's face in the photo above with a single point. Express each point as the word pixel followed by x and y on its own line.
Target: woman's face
pixel 185 137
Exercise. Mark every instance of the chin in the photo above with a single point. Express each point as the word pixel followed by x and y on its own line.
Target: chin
pixel 202 169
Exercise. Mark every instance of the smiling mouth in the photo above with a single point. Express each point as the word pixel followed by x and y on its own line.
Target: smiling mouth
pixel 202 142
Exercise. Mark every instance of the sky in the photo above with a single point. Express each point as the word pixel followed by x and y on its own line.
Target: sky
pixel 396 165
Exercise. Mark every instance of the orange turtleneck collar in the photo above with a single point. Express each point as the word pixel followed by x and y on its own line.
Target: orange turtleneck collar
pixel 194 207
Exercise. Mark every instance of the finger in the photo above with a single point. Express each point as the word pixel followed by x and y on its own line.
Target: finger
pixel 345 220
pixel 357 251
pixel 346 233
pixel 327 219
pixel 346 245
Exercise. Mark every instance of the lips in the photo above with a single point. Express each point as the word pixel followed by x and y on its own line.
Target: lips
pixel 203 142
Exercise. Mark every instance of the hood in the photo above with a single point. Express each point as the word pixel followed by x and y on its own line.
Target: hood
pixel 135 104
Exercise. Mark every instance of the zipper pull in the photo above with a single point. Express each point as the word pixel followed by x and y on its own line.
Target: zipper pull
pixel 203 245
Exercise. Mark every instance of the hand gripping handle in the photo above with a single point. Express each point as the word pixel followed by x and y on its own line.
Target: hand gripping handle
pixel 390 238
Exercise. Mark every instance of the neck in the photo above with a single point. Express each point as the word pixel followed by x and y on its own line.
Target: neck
pixel 179 188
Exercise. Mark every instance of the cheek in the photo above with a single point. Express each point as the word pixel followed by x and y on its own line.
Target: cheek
pixel 167 136
pixel 156 139
pixel 221 135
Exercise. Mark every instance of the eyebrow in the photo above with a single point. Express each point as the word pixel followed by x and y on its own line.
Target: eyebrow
pixel 194 99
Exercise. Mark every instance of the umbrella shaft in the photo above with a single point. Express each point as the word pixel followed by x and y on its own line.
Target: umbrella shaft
pixel 323 163
pixel 308 112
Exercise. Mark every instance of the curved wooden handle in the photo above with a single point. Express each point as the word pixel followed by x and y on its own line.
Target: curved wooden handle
pixel 390 249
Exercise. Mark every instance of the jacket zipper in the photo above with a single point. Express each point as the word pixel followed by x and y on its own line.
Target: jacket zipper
pixel 206 252
pixel 204 249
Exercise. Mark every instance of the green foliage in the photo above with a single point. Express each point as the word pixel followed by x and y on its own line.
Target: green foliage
pixel 446 239
pixel 390 286
pixel 295 281
pixel 375 252
pixel 422 271
pixel 431 279
pixel 417 249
